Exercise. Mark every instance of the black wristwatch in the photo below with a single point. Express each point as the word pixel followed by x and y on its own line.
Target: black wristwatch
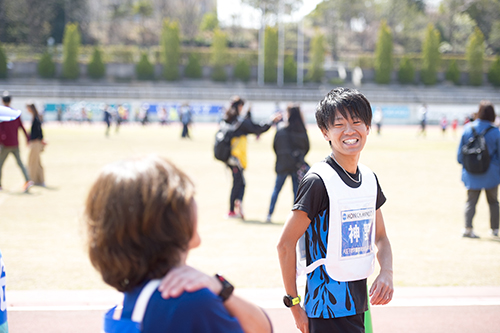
pixel 227 288
pixel 290 301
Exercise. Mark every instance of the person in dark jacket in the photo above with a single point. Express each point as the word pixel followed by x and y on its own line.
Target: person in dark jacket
pixel 37 145
pixel 238 160
pixel 475 183
pixel 291 145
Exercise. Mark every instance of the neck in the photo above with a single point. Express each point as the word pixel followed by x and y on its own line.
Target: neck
pixel 348 162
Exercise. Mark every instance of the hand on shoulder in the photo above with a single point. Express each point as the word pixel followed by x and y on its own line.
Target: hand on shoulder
pixel 187 278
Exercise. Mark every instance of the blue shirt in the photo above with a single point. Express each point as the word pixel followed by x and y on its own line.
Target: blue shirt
pixel 491 177
pixel 200 311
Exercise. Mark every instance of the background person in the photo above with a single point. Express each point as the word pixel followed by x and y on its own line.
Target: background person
pixel 378 117
pixel 423 120
pixel 238 160
pixel 9 143
pixel 135 239
pixel 37 145
pixel 186 117
pixel 489 180
pixel 290 145
pixel 339 251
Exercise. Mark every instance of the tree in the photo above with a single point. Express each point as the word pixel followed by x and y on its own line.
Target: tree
pixel 453 72
pixel 290 69
pixel 336 16
pixel 430 56
pixel 27 21
pixel 144 68
pixel 494 73
pixel 46 67
pixel 76 11
pixel 193 68
pixel 219 56
pixel 383 55
pixel 454 25
pixel 406 19
pixel 242 70
pixel 475 57
pixel 96 69
pixel 143 9
pixel 317 58
pixel 3 63
pixel 209 22
pixel 484 13
pixel 271 55
pixel 71 49
pixel 171 50
pixel 406 73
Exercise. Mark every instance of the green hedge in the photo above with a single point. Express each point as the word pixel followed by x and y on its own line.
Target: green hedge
pixel 144 69
pixel 406 73
pixel 46 66
pixel 290 69
pixel 453 72
pixel 242 70
pixel 96 69
pixel 3 63
pixel 193 69
pixel 494 73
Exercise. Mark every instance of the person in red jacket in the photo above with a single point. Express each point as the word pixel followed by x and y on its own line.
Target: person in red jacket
pixel 9 142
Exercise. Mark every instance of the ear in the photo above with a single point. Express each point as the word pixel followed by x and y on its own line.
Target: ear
pixel 368 130
pixel 325 134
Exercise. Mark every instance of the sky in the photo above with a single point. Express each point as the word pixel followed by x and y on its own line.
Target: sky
pixel 249 17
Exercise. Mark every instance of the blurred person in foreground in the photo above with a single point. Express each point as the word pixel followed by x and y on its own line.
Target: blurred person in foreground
pixel 37 145
pixel 9 142
pixel 338 218
pixel 489 180
pixel 238 160
pixel 142 222
pixel 290 145
pixel 4 327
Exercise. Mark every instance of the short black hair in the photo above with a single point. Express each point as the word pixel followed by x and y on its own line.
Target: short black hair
pixel 347 102
pixel 6 97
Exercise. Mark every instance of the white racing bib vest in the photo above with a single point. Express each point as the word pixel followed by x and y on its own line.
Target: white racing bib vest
pixel 350 254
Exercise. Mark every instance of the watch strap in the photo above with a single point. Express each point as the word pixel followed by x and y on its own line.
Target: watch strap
pixel 227 288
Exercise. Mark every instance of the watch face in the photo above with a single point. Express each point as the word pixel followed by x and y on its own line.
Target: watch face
pixel 287 300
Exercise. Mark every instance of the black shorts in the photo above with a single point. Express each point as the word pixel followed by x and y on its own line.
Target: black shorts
pixel 350 324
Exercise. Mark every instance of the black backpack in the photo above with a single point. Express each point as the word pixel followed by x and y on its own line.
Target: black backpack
pixel 222 146
pixel 476 158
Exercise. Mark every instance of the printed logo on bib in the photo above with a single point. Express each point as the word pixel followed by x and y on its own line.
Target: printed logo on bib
pixel 357 232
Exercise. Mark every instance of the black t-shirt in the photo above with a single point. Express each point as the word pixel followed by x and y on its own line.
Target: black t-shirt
pixel 312 197
pixel 325 297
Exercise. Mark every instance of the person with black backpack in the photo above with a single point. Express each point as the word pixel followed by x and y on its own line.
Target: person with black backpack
pixel 479 154
pixel 240 127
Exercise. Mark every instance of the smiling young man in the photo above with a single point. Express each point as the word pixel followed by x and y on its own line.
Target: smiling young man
pixel 338 210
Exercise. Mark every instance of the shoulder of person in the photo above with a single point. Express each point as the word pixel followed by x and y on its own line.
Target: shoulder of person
pixel 200 300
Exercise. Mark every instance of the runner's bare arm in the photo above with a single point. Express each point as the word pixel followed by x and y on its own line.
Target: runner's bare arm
pixel 382 288
pixel 295 226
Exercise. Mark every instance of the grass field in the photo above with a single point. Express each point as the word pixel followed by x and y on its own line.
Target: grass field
pixel 43 243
